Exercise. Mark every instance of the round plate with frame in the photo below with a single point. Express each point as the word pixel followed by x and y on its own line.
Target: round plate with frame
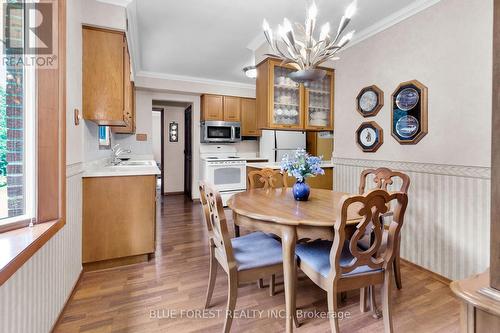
pixel 369 136
pixel 369 101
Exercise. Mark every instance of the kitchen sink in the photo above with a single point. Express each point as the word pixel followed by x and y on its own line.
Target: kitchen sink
pixel 138 163
pixel 134 163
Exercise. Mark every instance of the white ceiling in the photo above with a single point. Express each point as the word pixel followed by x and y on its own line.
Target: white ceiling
pixel 209 39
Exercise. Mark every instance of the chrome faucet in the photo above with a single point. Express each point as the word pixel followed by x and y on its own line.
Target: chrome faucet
pixel 117 151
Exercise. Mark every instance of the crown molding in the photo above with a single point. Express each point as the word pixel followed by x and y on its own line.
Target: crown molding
pixel 121 3
pixel 192 79
pixel 391 20
pixel 385 23
pixel 133 38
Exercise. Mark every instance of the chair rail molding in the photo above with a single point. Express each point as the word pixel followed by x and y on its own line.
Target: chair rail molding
pixel 439 169
pixel 447 223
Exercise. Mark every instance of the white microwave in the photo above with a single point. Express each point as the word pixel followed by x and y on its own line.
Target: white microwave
pixel 220 132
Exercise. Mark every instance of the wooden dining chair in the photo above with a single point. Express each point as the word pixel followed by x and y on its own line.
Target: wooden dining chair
pixel 382 178
pixel 244 259
pixel 266 178
pixel 341 265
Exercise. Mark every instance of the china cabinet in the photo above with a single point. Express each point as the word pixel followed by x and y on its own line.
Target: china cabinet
pixel 284 104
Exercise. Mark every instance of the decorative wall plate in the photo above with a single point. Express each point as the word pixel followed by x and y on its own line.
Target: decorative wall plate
pixel 407 99
pixel 409 112
pixel 369 136
pixel 369 101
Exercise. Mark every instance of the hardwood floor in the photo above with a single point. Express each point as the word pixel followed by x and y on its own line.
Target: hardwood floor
pixel 130 299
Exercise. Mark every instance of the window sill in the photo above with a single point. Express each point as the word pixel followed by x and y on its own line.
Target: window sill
pixel 17 246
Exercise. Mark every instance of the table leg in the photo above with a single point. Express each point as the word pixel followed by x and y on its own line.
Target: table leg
pixel 288 238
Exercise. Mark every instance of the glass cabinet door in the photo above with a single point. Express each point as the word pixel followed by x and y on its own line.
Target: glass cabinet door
pixel 287 98
pixel 319 100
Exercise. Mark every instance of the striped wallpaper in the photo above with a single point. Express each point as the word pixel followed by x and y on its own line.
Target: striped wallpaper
pixel 447 222
pixel 31 300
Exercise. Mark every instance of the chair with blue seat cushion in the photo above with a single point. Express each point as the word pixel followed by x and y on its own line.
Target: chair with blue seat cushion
pixel 244 259
pixel 384 179
pixel 342 265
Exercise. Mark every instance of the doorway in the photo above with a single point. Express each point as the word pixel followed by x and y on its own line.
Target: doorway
pixel 173 144
pixel 159 143
pixel 188 152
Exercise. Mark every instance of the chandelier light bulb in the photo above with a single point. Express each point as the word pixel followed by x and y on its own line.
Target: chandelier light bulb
pixel 346 39
pixel 313 12
pixel 265 26
pixel 351 10
pixel 325 30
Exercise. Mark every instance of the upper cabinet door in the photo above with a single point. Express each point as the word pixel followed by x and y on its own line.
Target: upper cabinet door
pixel 212 107
pixel 286 98
pixel 232 109
pixel 249 118
pixel 319 104
pixel 103 76
pixel 129 93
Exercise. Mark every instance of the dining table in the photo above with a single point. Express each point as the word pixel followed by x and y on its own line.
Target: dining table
pixel 276 211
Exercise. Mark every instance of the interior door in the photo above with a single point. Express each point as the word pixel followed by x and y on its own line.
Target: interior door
pixel 188 158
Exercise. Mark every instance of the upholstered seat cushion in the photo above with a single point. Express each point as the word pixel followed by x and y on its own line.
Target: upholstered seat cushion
pixel 317 255
pixel 256 250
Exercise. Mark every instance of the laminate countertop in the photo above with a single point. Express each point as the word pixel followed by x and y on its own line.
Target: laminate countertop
pixel 276 165
pixel 127 168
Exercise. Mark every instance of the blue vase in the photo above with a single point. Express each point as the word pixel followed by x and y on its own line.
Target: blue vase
pixel 301 191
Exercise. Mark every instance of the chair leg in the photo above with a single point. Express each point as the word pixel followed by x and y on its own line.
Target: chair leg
pixel 363 299
pixel 373 303
pixel 271 285
pixel 386 301
pixel 260 283
pixel 211 277
pixel 397 269
pixel 232 295
pixel 332 311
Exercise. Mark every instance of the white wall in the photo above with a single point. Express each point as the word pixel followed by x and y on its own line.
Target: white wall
pixel 174 151
pixel 32 298
pixel 156 136
pixel 447 47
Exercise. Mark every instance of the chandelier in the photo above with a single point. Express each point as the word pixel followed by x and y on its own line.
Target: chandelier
pixel 301 50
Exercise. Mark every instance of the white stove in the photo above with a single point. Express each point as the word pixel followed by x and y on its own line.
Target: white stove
pixel 221 166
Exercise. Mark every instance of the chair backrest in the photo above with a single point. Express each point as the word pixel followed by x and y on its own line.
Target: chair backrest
pixel 369 207
pixel 382 178
pixel 215 219
pixel 267 178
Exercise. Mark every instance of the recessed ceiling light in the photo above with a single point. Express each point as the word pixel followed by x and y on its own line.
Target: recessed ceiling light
pixel 250 71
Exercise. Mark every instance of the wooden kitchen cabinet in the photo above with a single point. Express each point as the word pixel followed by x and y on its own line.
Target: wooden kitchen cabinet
pixel 286 105
pixel 106 78
pixel 220 108
pixel 249 118
pixel 232 109
pixel 119 220
pixel 212 107
pixel 129 99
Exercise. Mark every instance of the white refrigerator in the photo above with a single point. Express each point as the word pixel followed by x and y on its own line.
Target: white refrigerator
pixel 275 144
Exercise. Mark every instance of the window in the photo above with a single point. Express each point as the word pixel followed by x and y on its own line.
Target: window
pixel 17 139
pixel 32 127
